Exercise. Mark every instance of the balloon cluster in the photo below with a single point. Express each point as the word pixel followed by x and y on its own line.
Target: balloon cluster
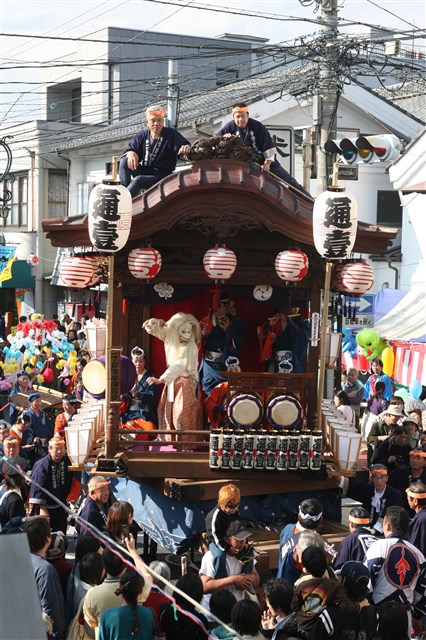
pixel 35 342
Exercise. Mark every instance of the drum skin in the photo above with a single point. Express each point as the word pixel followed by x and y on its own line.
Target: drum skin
pixel 94 376
pixel 245 410
pixel 283 411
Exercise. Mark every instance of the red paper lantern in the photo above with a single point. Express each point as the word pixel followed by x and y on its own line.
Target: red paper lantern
pixel 291 266
pixel 219 263
pixel 78 272
pixel 144 262
pixel 355 278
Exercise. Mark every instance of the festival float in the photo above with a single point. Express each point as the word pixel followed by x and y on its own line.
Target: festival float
pixel 221 226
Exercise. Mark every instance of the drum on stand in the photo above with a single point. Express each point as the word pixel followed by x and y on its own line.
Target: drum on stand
pixel 245 410
pixel 284 411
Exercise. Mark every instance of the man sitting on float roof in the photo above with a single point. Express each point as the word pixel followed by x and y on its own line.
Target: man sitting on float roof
pixel 254 134
pixel 152 153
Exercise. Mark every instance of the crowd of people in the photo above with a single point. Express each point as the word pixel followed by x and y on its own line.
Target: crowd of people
pixel 373 588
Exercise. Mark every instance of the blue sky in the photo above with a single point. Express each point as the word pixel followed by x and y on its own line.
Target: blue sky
pixel 78 18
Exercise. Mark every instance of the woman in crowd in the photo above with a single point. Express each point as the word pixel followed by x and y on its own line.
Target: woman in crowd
pixel 342 403
pixel 131 621
pixel 120 520
pixel 377 375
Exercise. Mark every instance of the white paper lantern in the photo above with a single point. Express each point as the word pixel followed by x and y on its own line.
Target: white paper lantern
pixel 219 263
pixel 110 216
pixel 353 277
pixel 347 449
pixel 291 266
pixel 78 272
pixel 335 221
pixel 144 262
pixel 78 443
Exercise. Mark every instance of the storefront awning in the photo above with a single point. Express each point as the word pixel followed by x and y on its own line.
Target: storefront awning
pixel 21 277
pixel 400 315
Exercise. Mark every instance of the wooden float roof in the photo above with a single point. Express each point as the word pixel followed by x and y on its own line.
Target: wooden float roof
pixel 224 194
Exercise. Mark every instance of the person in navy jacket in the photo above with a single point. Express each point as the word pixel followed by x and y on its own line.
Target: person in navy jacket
pixel 255 135
pixel 152 153
pixel 355 545
pixel 416 494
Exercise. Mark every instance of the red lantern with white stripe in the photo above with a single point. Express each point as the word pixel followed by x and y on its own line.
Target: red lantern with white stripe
pixel 144 262
pixel 291 266
pixel 355 278
pixel 78 272
pixel 219 263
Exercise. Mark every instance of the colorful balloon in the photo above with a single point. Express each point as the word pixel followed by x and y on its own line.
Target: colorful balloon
pixel 415 389
pixel 388 359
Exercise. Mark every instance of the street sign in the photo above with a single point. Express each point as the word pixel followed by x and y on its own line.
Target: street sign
pixel 283 138
pixel 347 173
pixel 362 321
pixel 366 304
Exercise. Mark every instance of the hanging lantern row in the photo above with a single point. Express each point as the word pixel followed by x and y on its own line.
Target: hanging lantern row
pixel 78 272
pixel 144 263
pixel 335 222
pixel 219 263
pixel 354 278
pixel 291 266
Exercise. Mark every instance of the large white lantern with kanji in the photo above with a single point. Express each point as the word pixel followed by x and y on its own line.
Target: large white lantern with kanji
pixel 78 272
pixel 354 278
pixel 110 216
pixel 291 266
pixel 219 263
pixel 335 221
pixel 144 262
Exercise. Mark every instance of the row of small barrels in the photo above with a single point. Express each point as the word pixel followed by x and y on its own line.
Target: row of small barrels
pixel 235 450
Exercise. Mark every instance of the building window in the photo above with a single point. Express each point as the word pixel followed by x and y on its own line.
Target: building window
pixel 76 105
pixel 389 210
pixel 83 191
pixel 57 194
pixel 18 215
pixel 226 76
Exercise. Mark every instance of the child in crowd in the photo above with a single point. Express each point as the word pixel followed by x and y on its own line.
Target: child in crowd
pixel 217 523
pixel 315 590
pixel 376 404
pixel 222 602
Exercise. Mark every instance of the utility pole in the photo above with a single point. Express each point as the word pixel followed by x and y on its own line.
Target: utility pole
pixel 172 93
pixel 325 102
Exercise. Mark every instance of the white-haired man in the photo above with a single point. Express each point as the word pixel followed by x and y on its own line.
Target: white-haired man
pixel 152 153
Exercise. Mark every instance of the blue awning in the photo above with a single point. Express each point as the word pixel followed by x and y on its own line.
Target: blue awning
pixel 22 277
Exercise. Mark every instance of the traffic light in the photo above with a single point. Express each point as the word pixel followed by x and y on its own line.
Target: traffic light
pixel 368 149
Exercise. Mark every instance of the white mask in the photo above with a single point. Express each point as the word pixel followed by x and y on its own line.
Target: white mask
pixel 185 332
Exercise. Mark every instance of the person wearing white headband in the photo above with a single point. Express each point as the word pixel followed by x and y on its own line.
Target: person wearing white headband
pixel 309 518
pixel 152 153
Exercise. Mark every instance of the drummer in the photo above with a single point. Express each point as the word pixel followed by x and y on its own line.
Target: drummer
pixel 143 397
pixel 284 338
pixel 215 404
pixel 222 335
